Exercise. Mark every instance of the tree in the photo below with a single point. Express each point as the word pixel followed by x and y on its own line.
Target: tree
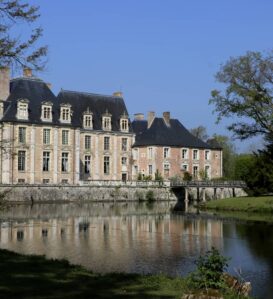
pixel 200 132
pixel 19 48
pixel 248 94
pixel 242 165
pixel 229 153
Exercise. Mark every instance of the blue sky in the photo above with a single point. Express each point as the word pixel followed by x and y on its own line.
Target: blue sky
pixel 162 54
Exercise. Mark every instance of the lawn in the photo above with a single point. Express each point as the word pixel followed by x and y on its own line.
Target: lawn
pixel 29 277
pixel 244 204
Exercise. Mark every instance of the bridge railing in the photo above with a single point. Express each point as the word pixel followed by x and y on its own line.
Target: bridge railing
pixel 207 183
pixel 119 183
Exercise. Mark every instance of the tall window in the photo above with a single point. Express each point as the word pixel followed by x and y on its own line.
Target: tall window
pixel 207 171
pixel 65 135
pixel 207 155
pixel 195 171
pixel 65 115
pixel 184 153
pixel 21 160
pixel 106 143
pixel 150 169
pixel 87 142
pixel 22 134
pixel 135 153
pixel 150 152
pixel 46 136
pixel 195 154
pixel 124 125
pixel 106 123
pixel 166 152
pixel 124 144
pixel 87 164
pixel 124 161
pixel 87 121
pixel 22 109
pixel 46 113
pixel 106 165
pixel 64 162
pixel 46 159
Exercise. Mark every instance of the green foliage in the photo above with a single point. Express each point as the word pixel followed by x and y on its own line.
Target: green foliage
pixel 140 196
pixel 147 178
pixel 248 94
pixel 158 176
pixel 140 177
pixel 209 272
pixel 187 176
pixel 243 163
pixel 17 51
pixel 150 196
pixel 200 132
pixel 203 174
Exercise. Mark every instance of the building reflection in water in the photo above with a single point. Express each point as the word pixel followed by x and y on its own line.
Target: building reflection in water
pixel 105 238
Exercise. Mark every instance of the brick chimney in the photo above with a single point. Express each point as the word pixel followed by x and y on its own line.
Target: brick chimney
pixel 27 72
pixel 138 116
pixel 150 118
pixel 167 117
pixel 118 94
pixel 4 83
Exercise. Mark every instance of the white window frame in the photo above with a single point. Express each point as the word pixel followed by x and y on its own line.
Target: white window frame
pixel 166 166
pixel 46 159
pixel 88 120
pixel 167 153
pixel 87 164
pixel 124 161
pixel 65 113
pixel 22 163
pixel 46 136
pixel 106 123
pixel 186 156
pixel 135 153
pixel 207 155
pixel 207 173
pixel 65 137
pixel 124 125
pixel 150 153
pixel 22 109
pixel 87 142
pixel 65 166
pixel 197 174
pixel 150 169
pixel 197 154
pixel 185 168
pixel 46 111
pixel 124 144
pixel 22 135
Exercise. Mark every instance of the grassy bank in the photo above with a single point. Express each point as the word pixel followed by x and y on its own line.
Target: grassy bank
pixel 242 204
pixel 36 277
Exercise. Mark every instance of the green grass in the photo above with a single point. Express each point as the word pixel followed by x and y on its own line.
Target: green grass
pixel 243 204
pixel 24 276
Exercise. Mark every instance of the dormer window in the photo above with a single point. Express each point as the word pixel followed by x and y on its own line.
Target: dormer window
pixel 88 119
pixel 22 109
pixel 124 123
pixel 66 113
pixel 106 121
pixel 46 111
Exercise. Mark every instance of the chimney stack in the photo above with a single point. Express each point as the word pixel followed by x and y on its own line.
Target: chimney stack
pixel 118 94
pixel 139 116
pixel 150 118
pixel 4 83
pixel 27 72
pixel 167 117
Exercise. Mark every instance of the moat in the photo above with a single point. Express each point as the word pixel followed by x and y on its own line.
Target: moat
pixel 139 237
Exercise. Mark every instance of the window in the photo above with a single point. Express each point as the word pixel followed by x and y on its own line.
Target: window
pixel 124 161
pixel 46 158
pixel 207 171
pixel 195 171
pixel 124 144
pixel 46 136
pixel 87 121
pixel 46 111
pixel 106 165
pixel 106 143
pixel 135 153
pixel 106 123
pixel 124 125
pixel 65 134
pixel 150 169
pixel 64 162
pixel 195 154
pixel 65 113
pixel 22 134
pixel 21 181
pixel 87 164
pixel 21 160
pixel 166 152
pixel 150 152
pixel 46 181
pixel 135 169
pixel 184 153
pixel 166 166
pixel 87 142
pixel 207 155
pixel 184 167
pixel 22 109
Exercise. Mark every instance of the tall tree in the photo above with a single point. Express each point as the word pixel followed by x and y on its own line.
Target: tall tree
pixel 248 94
pixel 200 132
pixel 19 48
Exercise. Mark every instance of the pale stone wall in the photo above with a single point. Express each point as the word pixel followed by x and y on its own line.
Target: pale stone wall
pixel 175 161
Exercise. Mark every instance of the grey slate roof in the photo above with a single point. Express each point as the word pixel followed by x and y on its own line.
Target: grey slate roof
pixel 37 91
pixel 159 133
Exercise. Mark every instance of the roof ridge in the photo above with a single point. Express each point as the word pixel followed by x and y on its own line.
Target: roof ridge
pixel 27 78
pixel 88 93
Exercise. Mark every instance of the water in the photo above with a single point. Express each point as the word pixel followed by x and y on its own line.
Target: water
pixel 140 238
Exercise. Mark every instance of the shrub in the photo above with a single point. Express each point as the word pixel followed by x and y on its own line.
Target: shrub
pixel 209 272
pixel 158 176
pixel 150 196
pixel 187 176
